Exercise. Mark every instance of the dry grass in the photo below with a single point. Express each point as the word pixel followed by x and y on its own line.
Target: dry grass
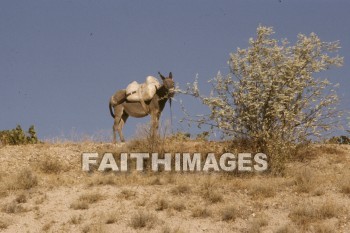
pixel 200 212
pixel 50 165
pixel 142 219
pixel 90 198
pixel 262 189
pixel 209 191
pixel 12 208
pixel 305 181
pixel 79 205
pixel 25 179
pixel 306 214
pixel 76 219
pixel 47 226
pixel 103 180
pixel 162 204
pixel 229 213
pixel 344 185
pixel 4 224
pixel 286 229
pixel 21 198
pixel 178 206
pixel 181 189
pixel 257 223
pixel 94 228
pixel 127 194
pixel 111 217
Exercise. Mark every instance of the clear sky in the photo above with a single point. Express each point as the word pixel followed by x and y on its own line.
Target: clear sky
pixel 60 60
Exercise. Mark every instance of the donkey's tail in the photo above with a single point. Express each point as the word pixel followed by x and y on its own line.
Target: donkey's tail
pixel 111 107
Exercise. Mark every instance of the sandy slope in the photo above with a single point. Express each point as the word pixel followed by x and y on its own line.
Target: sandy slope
pixel 311 197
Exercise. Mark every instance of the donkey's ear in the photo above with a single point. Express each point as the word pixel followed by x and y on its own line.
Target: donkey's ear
pixel 170 75
pixel 161 75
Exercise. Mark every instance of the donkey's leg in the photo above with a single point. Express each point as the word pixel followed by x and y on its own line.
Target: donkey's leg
pixel 122 121
pixel 118 112
pixel 155 124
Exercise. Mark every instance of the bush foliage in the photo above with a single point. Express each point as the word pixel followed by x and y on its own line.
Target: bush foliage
pixel 17 136
pixel 271 96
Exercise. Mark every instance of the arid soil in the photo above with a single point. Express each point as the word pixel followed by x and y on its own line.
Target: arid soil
pixel 43 189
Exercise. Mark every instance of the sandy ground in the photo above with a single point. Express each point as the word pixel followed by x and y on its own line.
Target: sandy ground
pixel 44 190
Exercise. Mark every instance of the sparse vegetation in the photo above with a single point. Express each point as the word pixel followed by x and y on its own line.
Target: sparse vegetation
pixel 212 201
pixel 142 219
pixel 306 214
pixel 199 212
pixel 17 136
pixel 229 213
pixel 181 189
pixel 271 96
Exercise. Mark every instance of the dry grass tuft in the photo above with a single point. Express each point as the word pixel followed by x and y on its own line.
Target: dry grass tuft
pixel 12 208
pixel 178 206
pixel 201 213
pixel 142 219
pixel 76 219
pixel 181 189
pixel 21 198
pixel 47 226
pixel 229 213
pixel 94 228
pixel 323 228
pixel 162 204
pixel 306 214
pixel 305 181
pixel 345 186
pixel 168 229
pixel 127 194
pixel 90 198
pixel 50 165
pixel 257 224
pixel 103 180
pixel 111 217
pixel 262 189
pixel 25 179
pixel 4 224
pixel 79 205
pixel 286 229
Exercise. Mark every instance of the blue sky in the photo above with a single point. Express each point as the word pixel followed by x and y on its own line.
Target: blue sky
pixel 60 61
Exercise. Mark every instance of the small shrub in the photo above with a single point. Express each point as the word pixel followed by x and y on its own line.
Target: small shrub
pixel 229 213
pixel 181 189
pixel 111 218
pixel 162 204
pixel 305 181
pixel 201 213
pixel 75 220
pixel 12 208
pixel 25 179
pixel 50 165
pixel 90 197
pixel 256 224
pixel 262 189
pixel 17 136
pixel 286 229
pixel 79 205
pixel 142 219
pixel 128 194
pixel 178 206
pixel 4 224
pixel 21 198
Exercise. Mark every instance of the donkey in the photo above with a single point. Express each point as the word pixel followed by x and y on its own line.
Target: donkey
pixel 154 107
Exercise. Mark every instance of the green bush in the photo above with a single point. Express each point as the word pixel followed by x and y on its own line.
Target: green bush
pixel 18 137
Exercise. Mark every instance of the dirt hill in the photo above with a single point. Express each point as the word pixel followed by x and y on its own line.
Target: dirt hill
pixel 43 189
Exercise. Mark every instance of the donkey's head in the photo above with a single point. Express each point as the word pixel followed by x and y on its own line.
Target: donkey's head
pixel 168 84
